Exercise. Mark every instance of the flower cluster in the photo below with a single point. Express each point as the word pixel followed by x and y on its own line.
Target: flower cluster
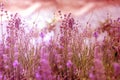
pixel 75 53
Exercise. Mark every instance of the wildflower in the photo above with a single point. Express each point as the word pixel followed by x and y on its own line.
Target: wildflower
pixel 69 63
pixel 1 48
pixel 1 76
pixel 92 76
pixel 42 35
pixel 99 69
pixel 95 34
pixel 15 63
pixel 17 23
pixel 118 19
pixel 99 65
pixel 71 23
pixel 116 67
pixel 1 7
pixel 44 62
pixel 38 76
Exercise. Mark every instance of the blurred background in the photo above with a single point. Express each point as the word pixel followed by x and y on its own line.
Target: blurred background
pixel 43 10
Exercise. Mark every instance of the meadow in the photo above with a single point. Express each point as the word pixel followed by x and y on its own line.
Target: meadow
pixel 74 52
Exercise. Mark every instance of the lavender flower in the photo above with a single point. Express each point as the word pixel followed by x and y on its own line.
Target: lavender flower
pixel 92 76
pixel 116 67
pixel 15 63
pixel 42 35
pixel 1 48
pixel 69 64
pixel 71 23
pixel 99 69
pixel 95 34
pixel 1 76
pixel 17 23
pixel 38 76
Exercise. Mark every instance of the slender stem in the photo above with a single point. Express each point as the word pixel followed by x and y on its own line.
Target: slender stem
pixel 1 24
pixel 2 36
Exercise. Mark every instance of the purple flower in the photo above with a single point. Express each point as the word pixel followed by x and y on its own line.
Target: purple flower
pixel 1 76
pixel 118 19
pixel 42 35
pixel 15 63
pixel 95 34
pixel 97 53
pixel 116 67
pixel 44 61
pixel 38 76
pixel 69 63
pixel 71 22
pixel 1 48
pixel 92 76
pixel 99 69
pixel 17 23
pixel 99 65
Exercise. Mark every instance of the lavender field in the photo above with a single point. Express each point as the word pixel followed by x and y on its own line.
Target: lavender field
pixel 64 50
